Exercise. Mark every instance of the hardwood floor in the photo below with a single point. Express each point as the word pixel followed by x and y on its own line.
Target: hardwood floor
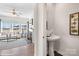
pixel 27 50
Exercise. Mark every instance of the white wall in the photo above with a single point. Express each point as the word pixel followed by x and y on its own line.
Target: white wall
pixel 68 44
pixel 50 15
pixel 14 19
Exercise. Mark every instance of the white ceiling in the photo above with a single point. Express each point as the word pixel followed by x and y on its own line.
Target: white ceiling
pixel 26 9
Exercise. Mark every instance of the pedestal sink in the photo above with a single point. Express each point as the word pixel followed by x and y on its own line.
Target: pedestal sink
pixel 53 37
pixel 50 42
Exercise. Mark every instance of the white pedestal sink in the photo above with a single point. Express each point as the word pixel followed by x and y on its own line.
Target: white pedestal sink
pixel 51 40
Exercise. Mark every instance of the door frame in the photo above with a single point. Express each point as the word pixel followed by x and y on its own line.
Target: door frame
pixel 40 42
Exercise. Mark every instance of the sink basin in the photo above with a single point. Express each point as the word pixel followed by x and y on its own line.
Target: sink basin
pixel 53 37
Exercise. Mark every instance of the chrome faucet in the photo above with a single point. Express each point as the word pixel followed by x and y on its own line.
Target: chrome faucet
pixel 50 34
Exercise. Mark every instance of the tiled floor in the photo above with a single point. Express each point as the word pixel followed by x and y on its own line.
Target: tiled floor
pixel 57 54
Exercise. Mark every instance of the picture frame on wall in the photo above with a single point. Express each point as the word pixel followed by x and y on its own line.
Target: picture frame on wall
pixel 74 23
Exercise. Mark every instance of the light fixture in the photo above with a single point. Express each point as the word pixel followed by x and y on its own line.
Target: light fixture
pixel 14 12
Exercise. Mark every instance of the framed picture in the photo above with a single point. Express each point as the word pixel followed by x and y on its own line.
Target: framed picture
pixel 74 24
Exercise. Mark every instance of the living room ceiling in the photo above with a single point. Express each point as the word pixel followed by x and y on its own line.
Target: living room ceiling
pixel 23 9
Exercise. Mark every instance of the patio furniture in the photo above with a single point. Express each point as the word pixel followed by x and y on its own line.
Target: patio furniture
pixel 3 36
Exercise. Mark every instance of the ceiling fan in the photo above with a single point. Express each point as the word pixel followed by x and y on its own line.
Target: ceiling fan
pixel 14 12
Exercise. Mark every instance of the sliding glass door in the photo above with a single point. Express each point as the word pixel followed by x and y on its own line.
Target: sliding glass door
pixel 16 28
